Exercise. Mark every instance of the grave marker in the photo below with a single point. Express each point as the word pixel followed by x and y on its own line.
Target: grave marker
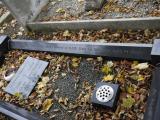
pixel 26 77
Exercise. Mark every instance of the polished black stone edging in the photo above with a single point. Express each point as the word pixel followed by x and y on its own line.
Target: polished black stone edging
pixel 145 52
pixel 153 103
pixel 17 113
pixel 111 50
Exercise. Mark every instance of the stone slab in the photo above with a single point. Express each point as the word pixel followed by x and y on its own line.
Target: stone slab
pixel 111 50
pixel 18 113
pixel 153 103
pixel 94 4
pixel 114 24
pixel 25 10
pixel 26 77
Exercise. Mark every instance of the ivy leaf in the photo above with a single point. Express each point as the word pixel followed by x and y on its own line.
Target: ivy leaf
pixel 128 102
pixel 47 104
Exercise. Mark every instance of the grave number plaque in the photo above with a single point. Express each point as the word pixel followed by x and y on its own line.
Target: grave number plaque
pixel 26 77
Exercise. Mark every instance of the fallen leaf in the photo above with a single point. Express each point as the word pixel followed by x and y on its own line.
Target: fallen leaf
pixel 60 10
pixel 106 69
pixel 110 64
pixel 47 104
pixel 137 77
pixel 1 84
pixel 128 102
pixel 18 95
pixel 141 66
pixel 41 85
pixel 131 89
pixel 141 78
pixel 66 33
pixel 108 77
pixel 91 12
pixel 99 59
pixel 80 1
pixel 45 80
pixel 75 62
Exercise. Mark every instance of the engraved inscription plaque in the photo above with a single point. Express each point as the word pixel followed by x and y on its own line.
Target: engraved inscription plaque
pixel 26 77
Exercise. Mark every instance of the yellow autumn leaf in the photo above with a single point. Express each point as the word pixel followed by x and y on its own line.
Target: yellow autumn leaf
pixel 75 62
pixel 141 66
pixel 18 95
pixel 137 77
pixel 141 78
pixel 131 89
pixel 47 105
pixel 66 33
pixel 74 59
pixel 134 64
pixel 108 77
pixel 106 69
pixel 41 85
pixel 120 76
pixel 60 10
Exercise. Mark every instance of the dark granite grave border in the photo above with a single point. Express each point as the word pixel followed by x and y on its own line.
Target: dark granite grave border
pixel 17 113
pixel 147 52
pixel 110 50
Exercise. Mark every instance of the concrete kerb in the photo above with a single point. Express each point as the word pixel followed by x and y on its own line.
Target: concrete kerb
pixel 123 24
pixel 6 18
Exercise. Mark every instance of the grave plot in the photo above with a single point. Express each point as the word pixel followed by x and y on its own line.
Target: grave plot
pixel 82 10
pixel 72 15
pixel 55 89
pixel 69 85
pixel 142 15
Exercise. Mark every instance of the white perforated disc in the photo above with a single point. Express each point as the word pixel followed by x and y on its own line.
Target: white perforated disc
pixel 104 93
